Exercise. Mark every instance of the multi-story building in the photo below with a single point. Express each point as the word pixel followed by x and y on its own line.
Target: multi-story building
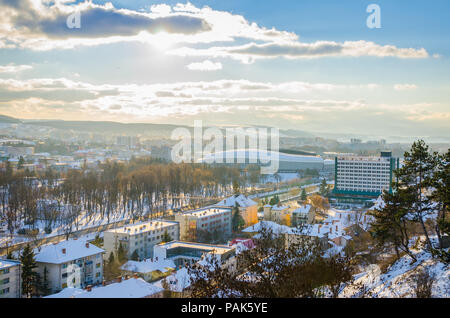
pixel 184 253
pixel 248 209
pixel 278 213
pixel 10 275
pixel 140 237
pixel 72 263
pixel 302 215
pixel 216 221
pixel 358 177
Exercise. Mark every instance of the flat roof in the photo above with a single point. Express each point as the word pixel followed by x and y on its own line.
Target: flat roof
pixel 142 227
pixel 217 249
pixel 207 211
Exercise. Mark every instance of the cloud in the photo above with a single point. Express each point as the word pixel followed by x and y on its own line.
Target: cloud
pixel 206 65
pixel 41 25
pixel 12 68
pixel 405 87
pixel 248 53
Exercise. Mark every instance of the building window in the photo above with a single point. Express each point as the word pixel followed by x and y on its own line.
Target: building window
pixel 4 291
pixel 64 265
pixel 97 274
pixel 64 275
pixel 97 265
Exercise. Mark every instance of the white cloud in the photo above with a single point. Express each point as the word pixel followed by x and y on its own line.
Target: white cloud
pixel 405 87
pixel 12 68
pixel 40 25
pixel 206 65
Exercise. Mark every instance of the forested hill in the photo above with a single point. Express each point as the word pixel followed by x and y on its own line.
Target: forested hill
pixel 9 120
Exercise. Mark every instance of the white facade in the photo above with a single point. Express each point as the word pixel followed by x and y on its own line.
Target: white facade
pixel 212 219
pixel 73 263
pixel 10 275
pixel 140 237
pixel 363 174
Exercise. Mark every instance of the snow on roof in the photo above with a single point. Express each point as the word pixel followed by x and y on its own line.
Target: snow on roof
pixel 143 227
pixel 66 251
pixel 241 200
pixel 148 266
pixel 130 288
pixel 280 208
pixel 178 281
pixel 303 209
pixel 275 227
pixel 205 212
pixel 5 263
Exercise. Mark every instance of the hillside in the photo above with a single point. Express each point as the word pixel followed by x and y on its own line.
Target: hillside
pixel 399 279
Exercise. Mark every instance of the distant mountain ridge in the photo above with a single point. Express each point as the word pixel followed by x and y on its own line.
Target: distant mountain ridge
pixel 9 120
pixel 112 127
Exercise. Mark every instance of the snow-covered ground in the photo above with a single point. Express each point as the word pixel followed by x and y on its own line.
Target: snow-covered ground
pixel 398 281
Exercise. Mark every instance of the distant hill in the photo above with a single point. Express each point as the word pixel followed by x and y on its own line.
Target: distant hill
pixel 9 120
pixel 108 127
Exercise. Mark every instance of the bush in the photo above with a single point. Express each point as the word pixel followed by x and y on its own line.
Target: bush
pixel 423 283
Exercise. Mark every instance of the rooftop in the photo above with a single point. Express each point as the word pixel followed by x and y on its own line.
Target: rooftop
pixel 217 249
pixel 66 251
pixel 5 263
pixel 207 211
pixel 130 288
pixel 149 266
pixel 142 227
pixel 241 200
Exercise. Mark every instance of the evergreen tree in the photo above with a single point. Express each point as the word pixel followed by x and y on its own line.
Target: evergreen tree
pixel 390 224
pixel 237 221
pixel 441 194
pixel 135 256
pixel 414 178
pixel 28 275
pixel 166 237
pixel 20 163
pixel 111 258
pixel 323 188
pixel 121 254
pixel 303 195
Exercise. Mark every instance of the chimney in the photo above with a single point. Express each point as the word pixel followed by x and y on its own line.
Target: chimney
pixel 89 288
pixel 64 251
pixel 331 230
pixel 87 245
pixel 104 283
pixel 135 276
pixel 119 279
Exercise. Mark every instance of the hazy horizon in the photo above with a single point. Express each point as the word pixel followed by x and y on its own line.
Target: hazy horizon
pixel 306 66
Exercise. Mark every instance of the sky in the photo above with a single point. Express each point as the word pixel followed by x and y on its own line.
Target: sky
pixel 311 65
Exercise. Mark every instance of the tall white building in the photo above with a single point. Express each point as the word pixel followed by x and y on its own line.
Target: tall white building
pixel 211 220
pixel 139 237
pixel 72 263
pixel 364 176
pixel 10 275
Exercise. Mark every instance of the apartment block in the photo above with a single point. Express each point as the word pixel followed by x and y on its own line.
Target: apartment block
pixel 210 220
pixel 359 176
pixel 73 263
pixel 139 237
pixel 10 275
